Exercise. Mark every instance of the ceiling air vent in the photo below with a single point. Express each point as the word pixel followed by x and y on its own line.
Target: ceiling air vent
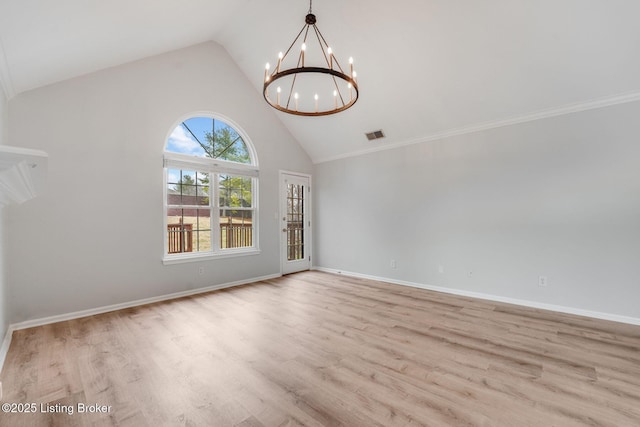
pixel 375 135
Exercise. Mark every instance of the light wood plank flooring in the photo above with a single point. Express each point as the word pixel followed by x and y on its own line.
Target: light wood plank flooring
pixel 317 349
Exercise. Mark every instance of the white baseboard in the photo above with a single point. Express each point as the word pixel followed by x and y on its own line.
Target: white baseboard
pixel 4 349
pixel 525 303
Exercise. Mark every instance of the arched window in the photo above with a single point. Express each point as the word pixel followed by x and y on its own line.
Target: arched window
pixel 211 180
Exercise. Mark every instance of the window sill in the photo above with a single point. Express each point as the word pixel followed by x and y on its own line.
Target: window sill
pixel 184 258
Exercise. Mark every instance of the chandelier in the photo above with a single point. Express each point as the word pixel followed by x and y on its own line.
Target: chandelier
pixel 308 79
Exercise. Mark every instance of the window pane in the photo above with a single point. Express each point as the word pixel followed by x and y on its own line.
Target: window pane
pixel 235 191
pixel 173 176
pixel 236 228
pixel 189 230
pixel 187 187
pixel 202 189
pixel 208 137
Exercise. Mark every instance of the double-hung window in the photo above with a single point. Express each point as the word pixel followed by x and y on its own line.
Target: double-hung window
pixel 211 188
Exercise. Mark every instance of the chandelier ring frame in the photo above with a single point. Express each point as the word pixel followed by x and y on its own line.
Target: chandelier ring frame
pixel 310 70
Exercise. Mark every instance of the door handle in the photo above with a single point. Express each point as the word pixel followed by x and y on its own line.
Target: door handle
pixel 284 230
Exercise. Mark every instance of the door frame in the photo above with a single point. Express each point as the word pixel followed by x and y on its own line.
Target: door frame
pixel 283 213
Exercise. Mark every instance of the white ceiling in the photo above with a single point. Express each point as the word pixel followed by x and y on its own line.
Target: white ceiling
pixel 425 67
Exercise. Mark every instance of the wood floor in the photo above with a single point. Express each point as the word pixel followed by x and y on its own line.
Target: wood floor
pixel 317 349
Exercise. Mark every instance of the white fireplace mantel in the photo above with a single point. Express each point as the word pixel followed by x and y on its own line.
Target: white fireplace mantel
pixel 22 174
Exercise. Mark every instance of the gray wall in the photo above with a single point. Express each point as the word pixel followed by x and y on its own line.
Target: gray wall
pixel 95 238
pixel 558 197
pixel 4 307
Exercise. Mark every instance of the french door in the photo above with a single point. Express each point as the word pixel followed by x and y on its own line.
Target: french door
pixel 295 221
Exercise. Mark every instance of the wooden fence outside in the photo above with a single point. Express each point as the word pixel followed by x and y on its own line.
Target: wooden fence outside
pixel 231 236
pixel 236 235
pixel 180 238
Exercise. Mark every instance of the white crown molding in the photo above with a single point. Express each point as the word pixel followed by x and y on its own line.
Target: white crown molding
pixel 489 297
pixel 543 114
pixel 5 76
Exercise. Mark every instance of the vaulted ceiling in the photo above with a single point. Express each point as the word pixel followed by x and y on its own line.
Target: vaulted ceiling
pixel 426 68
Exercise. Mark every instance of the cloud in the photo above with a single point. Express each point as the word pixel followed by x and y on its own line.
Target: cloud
pixel 173 175
pixel 181 142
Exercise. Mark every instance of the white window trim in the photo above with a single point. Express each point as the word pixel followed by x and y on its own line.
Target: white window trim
pixel 208 256
pixel 214 167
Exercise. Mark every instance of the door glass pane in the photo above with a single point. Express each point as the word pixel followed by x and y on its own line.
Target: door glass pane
pixel 295 222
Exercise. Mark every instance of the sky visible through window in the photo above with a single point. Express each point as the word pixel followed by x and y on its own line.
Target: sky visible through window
pixel 207 137
pixel 182 141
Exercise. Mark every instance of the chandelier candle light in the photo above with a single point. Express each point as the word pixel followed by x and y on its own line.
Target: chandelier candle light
pixel 308 90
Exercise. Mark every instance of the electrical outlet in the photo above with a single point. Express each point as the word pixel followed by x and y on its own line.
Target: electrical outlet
pixel 543 281
pixel 440 269
pixel 201 270
pixel 470 273
pixel 393 263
